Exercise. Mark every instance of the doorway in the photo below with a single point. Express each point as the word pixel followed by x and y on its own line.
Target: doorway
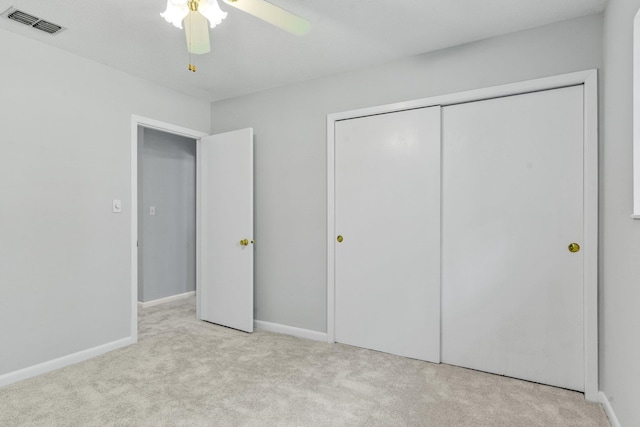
pixel 167 216
pixel 138 124
pixel 223 225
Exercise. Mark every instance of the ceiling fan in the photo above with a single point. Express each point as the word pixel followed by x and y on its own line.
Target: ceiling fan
pixel 196 14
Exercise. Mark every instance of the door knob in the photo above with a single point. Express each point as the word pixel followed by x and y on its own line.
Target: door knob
pixel 574 247
pixel 340 239
pixel 244 242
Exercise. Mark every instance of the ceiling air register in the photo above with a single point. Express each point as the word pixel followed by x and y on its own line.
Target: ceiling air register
pixel 32 21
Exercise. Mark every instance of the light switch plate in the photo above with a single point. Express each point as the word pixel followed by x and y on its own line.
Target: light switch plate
pixel 152 210
pixel 117 206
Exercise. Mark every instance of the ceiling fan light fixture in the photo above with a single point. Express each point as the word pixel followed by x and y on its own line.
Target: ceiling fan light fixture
pixel 196 14
pixel 176 11
pixel 210 9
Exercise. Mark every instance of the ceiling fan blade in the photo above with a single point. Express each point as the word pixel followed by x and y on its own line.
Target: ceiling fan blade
pixel 273 14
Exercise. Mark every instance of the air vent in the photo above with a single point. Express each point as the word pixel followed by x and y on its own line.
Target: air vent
pixel 23 18
pixel 32 21
pixel 47 27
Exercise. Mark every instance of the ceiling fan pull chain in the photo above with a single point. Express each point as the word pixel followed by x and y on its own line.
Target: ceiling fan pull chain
pixel 192 65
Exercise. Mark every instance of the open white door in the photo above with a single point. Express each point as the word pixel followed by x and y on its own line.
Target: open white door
pixel 225 224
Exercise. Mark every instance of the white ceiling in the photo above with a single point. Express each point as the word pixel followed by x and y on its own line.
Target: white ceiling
pixel 249 55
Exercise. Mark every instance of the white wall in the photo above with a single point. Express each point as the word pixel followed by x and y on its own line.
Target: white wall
pixel 620 235
pixel 65 259
pixel 290 145
pixel 168 238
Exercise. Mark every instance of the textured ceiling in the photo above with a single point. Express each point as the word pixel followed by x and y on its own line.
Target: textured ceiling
pixel 249 55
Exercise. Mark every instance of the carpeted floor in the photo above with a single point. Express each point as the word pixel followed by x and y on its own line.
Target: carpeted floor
pixel 189 373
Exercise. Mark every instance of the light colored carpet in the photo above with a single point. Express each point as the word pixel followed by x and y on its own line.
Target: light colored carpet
pixel 189 373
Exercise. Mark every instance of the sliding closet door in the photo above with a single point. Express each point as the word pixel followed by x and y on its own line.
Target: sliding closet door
pixel 387 247
pixel 512 288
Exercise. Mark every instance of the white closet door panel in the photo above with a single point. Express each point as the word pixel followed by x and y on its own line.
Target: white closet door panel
pixel 387 194
pixel 512 292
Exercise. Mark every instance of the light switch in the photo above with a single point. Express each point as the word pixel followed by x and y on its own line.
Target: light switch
pixel 152 210
pixel 117 206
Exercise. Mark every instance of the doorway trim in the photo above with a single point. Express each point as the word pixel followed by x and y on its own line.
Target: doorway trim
pixel 636 120
pixel 587 78
pixel 168 128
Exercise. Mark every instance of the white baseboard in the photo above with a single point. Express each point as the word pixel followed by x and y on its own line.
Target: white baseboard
pixel 608 409
pixel 290 330
pixel 159 301
pixel 61 362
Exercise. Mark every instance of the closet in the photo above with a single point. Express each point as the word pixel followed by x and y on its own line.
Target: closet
pixel 459 234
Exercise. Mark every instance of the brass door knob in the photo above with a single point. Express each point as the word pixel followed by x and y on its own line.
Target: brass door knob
pixel 574 247
pixel 340 239
pixel 244 242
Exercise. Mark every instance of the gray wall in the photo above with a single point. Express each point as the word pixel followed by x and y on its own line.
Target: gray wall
pixel 168 238
pixel 619 235
pixel 290 145
pixel 65 258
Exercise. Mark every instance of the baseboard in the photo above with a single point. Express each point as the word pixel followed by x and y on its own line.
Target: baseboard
pixel 61 362
pixel 290 330
pixel 608 409
pixel 159 301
